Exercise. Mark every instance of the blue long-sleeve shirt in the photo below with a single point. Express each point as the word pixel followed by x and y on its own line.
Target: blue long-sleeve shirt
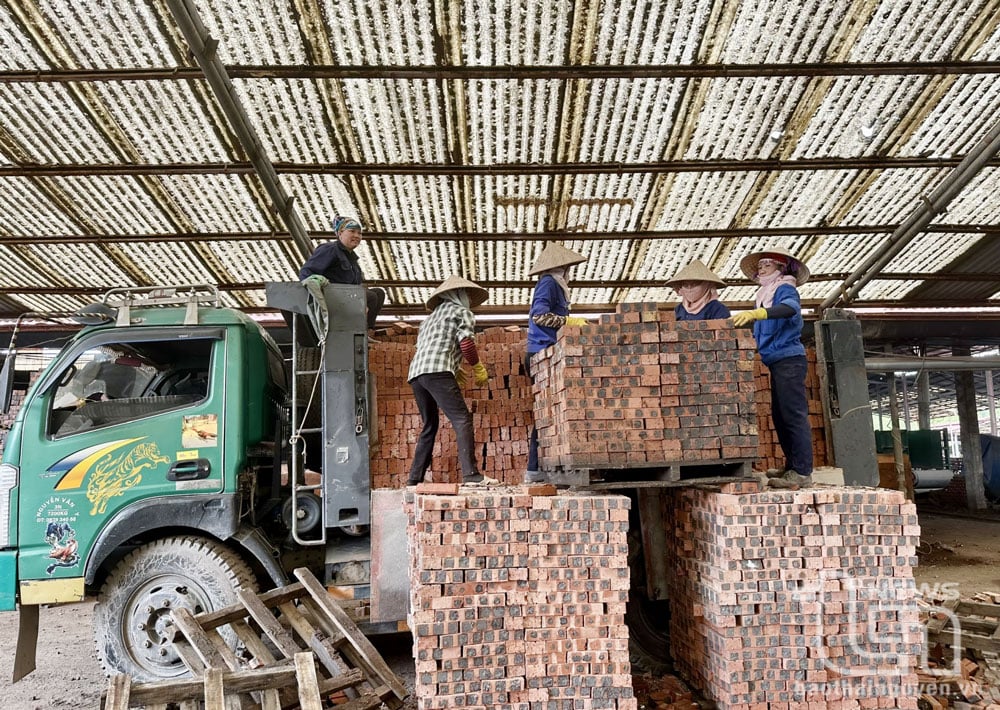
pixel 547 298
pixel 715 310
pixel 778 338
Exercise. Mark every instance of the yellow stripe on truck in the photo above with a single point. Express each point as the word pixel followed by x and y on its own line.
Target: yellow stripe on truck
pixel 52 591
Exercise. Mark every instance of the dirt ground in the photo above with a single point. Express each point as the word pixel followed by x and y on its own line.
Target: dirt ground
pixel 962 551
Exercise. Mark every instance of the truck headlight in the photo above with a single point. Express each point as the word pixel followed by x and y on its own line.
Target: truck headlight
pixel 8 481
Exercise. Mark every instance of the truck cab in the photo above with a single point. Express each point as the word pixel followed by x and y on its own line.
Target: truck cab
pixel 146 462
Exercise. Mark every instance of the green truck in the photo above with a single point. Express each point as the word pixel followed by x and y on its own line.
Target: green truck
pixel 157 462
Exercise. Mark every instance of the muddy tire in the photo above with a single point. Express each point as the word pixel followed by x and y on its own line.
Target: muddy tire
pixel 133 608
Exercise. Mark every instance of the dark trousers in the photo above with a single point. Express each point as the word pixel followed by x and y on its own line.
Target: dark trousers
pixel 375 299
pixel 533 437
pixel 434 390
pixel 790 412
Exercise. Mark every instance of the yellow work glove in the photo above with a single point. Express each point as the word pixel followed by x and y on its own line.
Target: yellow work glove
pixel 482 377
pixel 575 320
pixel 747 317
pixel 461 378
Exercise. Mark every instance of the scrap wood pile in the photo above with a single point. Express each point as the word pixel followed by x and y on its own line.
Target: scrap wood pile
pixel 966 674
pixel 291 647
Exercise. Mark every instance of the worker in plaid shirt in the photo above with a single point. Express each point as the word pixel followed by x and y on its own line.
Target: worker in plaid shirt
pixel 445 338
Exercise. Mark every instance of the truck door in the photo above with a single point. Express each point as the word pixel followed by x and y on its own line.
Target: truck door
pixel 124 417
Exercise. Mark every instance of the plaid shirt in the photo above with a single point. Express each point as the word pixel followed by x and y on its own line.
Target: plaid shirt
pixel 438 339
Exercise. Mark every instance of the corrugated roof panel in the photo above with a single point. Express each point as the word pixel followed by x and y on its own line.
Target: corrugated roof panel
pixel 977 204
pixel 665 257
pixel 802 198
pixel 308 139
pixel 962 118
pixel 511 203
pixel 923 32
pixel 582 297
pixel 115 205
pixel 320 198
pixel 858 116
pixel 605 203
pixel 25 210
pixel 739 116
pixel 652 33
pixel 50 126
pixel 421 203
pixel 20 52
pixel 761 32
pixel 605 261
pixel 502 261
pixel 18 272
pixel 702 200
pixel 843 253
pixel 50 304
pixel 509 32
pixel 893 195
pixel 427 261
pixel 165 121
pixel 397 121
pixel 216 203
pixel 662 295
pixel 618 106
pixel 399 32
pixel 518 297
pixel 932 252
pixel 168 262
pixel 121 34
pixel 81 264
pixel 508 119
pixel 255 31
pixel 255 261
pixel 884 290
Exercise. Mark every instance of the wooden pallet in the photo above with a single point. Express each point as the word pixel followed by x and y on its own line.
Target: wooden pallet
pixel 296 648
pixel 979 626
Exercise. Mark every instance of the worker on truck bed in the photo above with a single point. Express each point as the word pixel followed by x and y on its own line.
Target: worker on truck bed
pixel 435 376
pixel 548 313
pixel 698 286
pixel 777 328
pixel 337 263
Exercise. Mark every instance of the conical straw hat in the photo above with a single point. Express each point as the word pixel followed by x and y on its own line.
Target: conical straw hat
pixel 696 271
pixel 477 294
pixel 553 256
pixel 796 268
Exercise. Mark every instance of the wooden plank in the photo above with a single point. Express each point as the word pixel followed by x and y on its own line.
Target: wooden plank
pixel 254 645
pixel 979 643
pixel 199 640
pixel 305 670
pixel 119 688
pixel 966 607
pixel 348 628
pixel 314 638
pixel 243 681
pixel 188 655
pixel 937 624
pixel 365 702
pixel 215 698
pixel 227 615
pixel 265 619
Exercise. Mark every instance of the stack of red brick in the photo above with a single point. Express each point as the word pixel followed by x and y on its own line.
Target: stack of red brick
pixel 501 410
pixel 640 388
pixel 518 601
pixel 783 598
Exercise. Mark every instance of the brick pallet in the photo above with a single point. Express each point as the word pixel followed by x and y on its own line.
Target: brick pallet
pixel 518 600
pixel 642 389
pixel 794 599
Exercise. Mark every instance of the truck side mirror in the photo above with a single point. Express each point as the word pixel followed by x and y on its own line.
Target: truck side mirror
pixel 7 382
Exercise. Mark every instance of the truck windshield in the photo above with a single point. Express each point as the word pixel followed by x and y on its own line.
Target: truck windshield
pixel 118 382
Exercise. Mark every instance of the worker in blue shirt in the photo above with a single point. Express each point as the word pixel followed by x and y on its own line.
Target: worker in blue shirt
pixel 698 286
pixel 777 328
pixel 548 313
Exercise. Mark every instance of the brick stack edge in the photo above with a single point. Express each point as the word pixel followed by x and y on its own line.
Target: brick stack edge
pixel 640 389
pixel 518 601
pixel 783 598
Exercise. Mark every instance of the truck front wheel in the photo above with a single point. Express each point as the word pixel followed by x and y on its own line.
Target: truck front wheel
pixel 133 608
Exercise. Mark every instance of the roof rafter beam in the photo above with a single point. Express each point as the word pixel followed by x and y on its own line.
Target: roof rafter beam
pixel 968 277
pixel 576 168
pixel 988 230
pixel 590 71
